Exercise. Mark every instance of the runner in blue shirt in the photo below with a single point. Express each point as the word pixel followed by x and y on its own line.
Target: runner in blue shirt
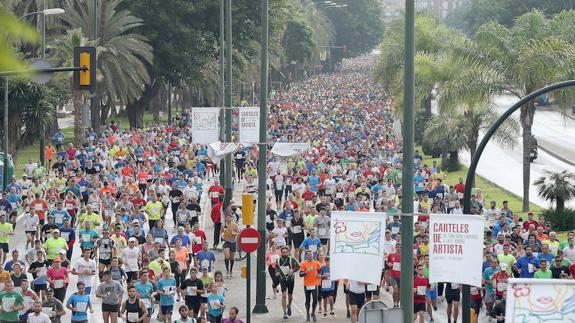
pixel 311 243
pixel 79 303
pixel 145 289
pixel 528 264
pixel 327 290
pixel 215 304
pixel 167 289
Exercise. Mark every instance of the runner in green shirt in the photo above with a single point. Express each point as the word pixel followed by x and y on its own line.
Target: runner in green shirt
pixel 543 272
pixel 10 303
pixel 54 244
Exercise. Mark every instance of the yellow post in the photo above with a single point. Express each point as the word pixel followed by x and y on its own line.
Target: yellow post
pixel 244 273
pixel 473 316
pixel 248 209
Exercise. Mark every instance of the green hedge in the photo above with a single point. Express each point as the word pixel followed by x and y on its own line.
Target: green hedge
pixel 563 221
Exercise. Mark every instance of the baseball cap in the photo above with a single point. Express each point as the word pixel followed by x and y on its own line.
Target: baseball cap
pixel 49 290
pixel 62 252
pixel 132 239
pixel 503 266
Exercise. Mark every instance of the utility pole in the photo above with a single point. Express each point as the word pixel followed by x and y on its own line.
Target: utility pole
pixel 43 55
pixel 406 290
pixel 5 170
pixel 228 159
pixel 169 102
pixel 261 253
pixel 222 85
pixel 93 98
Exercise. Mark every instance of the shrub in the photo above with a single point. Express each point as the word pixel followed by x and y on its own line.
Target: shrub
pixel 560 221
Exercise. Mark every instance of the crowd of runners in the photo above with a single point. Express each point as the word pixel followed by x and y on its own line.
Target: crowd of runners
pixel 130 202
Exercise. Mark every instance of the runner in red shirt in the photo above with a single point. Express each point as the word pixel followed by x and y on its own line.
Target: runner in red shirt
pixel 216 192
pixel 500 279
pixel 394 263
pixel 216 215
pixel 420 285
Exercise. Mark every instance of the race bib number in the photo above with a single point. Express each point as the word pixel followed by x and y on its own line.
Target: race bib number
pixel 421 290
pixel 309 287
pixel 326 284
pixel 501 287
pixel 284 269
pixel 322 231
pixel 312 247
pixel 59 284
pixel 147 302
pixel 371 288
pixel 531 268
pixel 86 237
pixel 133 317
pixel 474 291
pixel 192 291
pixel 82 306
pixel 47 311
pixel 394 230
pixel 396 266
pixel 65 235
pixel 159 240
pixel 296 229
pixel 454 286
pixel 38 207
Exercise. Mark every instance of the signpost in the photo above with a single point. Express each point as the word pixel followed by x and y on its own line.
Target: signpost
pixel 248 241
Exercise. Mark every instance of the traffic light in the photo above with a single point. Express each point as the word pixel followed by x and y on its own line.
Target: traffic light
pixel 85 57
pixel 248 209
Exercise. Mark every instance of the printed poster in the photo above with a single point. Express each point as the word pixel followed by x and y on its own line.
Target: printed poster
pixel 249 124
pixel 205 125
pixel 455 248
pixel 540 300
pixel 356 246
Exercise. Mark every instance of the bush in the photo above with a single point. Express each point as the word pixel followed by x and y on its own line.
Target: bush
pixel 563 221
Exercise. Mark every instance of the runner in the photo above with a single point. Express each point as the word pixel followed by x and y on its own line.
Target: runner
pixel 286 268
pixel 79 303
pixel 110 292
pixel 420 285
pixel 133 310
pixel 193 289
pixel 230 231
pixel 166 286
pixel 309 270
pixel 146 290
pixel 85 269
pixel 53 307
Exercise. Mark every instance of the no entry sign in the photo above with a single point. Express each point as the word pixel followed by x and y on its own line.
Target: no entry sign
pixel 249 240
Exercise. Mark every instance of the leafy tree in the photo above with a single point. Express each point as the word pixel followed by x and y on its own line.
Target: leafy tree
pixel 298 40
pixel 31 110
pixel 556 186
pixel 534 52
pixel 122 53
pixel 12 30
pixel 359 26
pixel 469 18
pixel 62 47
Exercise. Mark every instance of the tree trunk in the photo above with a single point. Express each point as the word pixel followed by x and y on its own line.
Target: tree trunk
pixel 78 126
pixel 453 164
pixel 526 117
pixel 560 205
pixel 135 110
pixel 444 159
pixel 105 111
pixel 472 138
pixel 427 107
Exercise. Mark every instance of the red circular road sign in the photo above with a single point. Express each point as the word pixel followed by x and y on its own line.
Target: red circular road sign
pixel 249 240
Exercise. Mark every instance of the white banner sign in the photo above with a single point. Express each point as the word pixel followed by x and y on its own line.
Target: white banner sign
pixel 356 246
pixel 218 150
pixel 455 248
pixel 205 125
pixel 290 149
pixel 249 124
pixel 540 300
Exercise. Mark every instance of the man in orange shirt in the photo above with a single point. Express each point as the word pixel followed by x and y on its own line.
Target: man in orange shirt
pixel 309 270
pixel 40 208
pixel 49 153
pixel 107 188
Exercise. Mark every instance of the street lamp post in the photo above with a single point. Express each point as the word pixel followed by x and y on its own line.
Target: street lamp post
pixel 222 84
pixel 5 170
pixel 228 113
pixel 466 302
pixel 406 291
pixel 43 13
pixel 262 146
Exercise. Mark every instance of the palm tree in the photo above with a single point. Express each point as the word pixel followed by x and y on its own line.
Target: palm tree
pixel 556 186
pixel 532 53
pixel 122 54
pixel 60 55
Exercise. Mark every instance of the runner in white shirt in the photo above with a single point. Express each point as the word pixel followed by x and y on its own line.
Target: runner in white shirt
pixel 31 223
pixel 85 268
pixel 130 257
pixel 37 316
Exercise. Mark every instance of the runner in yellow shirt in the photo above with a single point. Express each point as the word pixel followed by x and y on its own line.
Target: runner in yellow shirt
pixel 154 211
pixel 6 230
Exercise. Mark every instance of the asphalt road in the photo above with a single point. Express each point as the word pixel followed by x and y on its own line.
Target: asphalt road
pixel 236 294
